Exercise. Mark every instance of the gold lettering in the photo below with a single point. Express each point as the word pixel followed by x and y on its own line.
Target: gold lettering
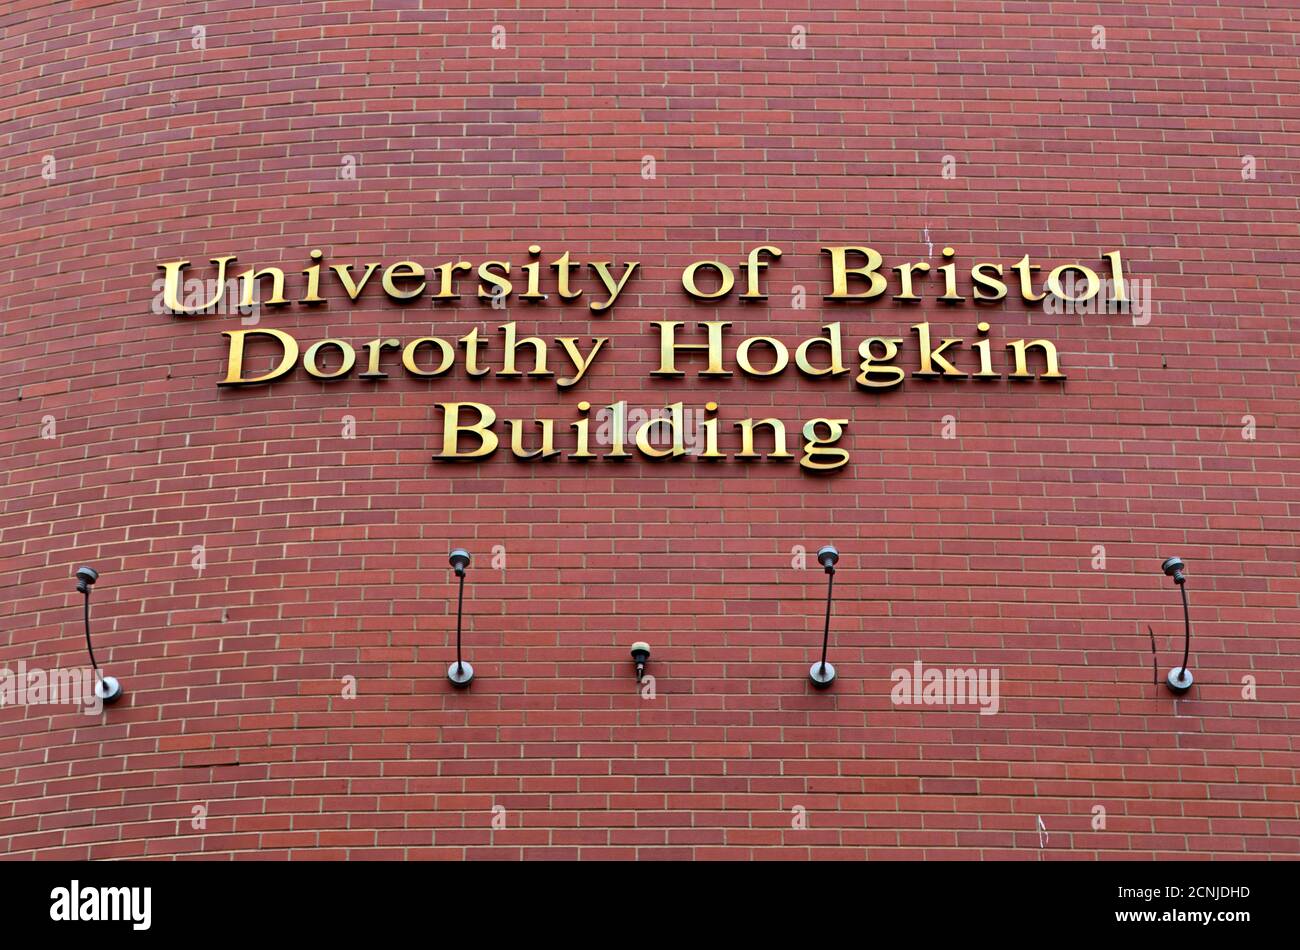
pixel 618 427
pixel 872 364
pixel 452 428
pixel 728 280
pixel 1024 268
pixel 511 346
pixel 447 279
pixel 173 285
pixel 580 363
pixel 312 273
pixel 950 294
pixel 674 423
pixel 613 288
pixel 992 283
pixel 251 278
pixel 563 271
pixel 986 359
pixel 752 268
pixel 547 449
pixel 533 270
pixel 485 274
pixel 780 363
pixel 411 349
pixel 1117 275
pixel 841 272
pixel 344 272
pixel 1090 278
pixel 747 427
pixel 905 278
pixel 710 427
pixel 403 270
pixel 816 448
pixel 582 428
pixel 668 348
pixel 235 361
pixel 471 342
pixel 1049 352
pixel 376 349
pixel 930 355
pixel 309 359
pixel 836 355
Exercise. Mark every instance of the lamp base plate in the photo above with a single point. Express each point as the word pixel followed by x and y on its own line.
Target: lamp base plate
pixel 822 674
pixel 108 689
pixel 460 674
pixel 1179 680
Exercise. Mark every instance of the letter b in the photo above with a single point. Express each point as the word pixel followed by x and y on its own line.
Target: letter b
pixel 841 272
pixel 452 429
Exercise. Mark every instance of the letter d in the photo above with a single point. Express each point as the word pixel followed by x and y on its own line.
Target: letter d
pixel 452 428
pixel 235 362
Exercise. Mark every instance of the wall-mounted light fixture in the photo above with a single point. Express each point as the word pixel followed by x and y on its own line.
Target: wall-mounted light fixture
pixel 107 688
pixel 640 654
pixel 1179 680
pixel 460 673
pixel 822 674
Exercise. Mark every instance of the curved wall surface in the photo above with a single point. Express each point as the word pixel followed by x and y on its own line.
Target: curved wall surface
pixel 275 594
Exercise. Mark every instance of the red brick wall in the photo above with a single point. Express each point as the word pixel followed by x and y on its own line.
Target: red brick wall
pixel 326 557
